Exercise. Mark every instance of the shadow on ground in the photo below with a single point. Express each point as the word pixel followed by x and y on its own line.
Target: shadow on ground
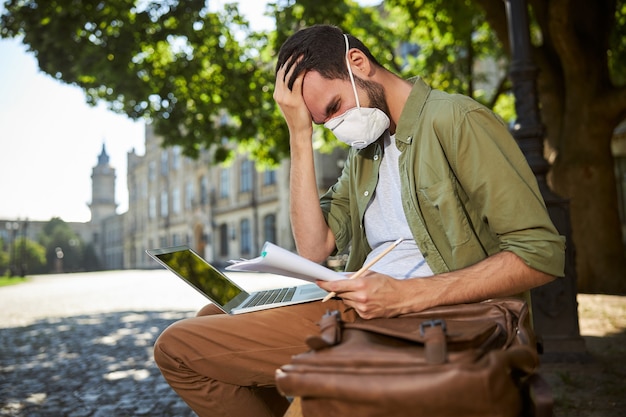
pixel 87 366
pixel 596 388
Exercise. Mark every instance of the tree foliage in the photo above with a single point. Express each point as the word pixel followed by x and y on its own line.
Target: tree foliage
pixel 4 257
pixel 453 36
pixel 171 62
pixel 205 79
pixel 30 257
pixel 62 246
pixel 22 256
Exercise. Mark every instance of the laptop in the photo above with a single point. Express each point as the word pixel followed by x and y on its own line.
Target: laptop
pixel 222 291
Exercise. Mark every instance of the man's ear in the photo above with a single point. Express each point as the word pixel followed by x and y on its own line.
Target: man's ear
pixel 359 63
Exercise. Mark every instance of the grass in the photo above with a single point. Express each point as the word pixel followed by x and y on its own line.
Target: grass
pixel 7 280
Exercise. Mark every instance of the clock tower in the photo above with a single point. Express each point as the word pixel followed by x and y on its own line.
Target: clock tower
pixel 102 190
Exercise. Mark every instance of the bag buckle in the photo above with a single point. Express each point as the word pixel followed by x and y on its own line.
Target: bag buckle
pixel 432 323
pixel 435 348
pixel 330 331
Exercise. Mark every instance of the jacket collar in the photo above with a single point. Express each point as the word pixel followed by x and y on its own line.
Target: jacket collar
pixel 412 109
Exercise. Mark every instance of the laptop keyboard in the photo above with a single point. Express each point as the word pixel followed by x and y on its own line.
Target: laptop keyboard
pixel 271 297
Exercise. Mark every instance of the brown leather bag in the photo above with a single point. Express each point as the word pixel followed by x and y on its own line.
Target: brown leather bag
pixel 463 360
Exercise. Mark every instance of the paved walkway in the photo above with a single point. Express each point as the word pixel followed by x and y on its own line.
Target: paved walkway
pixel 80 345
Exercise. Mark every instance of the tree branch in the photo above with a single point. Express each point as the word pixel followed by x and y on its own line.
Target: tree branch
pixel 502 87
pixel 561 29
pixel 495 14
pixel 580 36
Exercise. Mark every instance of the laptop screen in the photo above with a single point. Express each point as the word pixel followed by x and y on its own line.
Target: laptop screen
pixel 200 274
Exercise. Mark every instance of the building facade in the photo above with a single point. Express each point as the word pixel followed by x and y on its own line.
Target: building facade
pixel 222 211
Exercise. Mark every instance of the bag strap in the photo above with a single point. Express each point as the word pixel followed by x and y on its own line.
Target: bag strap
pixel 435 346
pixel 330 331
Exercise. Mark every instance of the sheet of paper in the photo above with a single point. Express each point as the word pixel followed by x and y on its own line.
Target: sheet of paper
pixel 276 260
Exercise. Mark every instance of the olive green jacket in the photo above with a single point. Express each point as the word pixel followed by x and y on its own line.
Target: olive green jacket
pixel 467 189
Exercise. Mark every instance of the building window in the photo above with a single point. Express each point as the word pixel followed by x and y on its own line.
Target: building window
pixel 176 206
pixel 189 195
pixel 152 171
pixel 164 162
pixel 204 190
pixel 176 158
pixel 152 208
pixel 223 239
pixel 224 183
pixel 245 180
pixel 164 204
pixel 269 228
pixel 246 237
pixel 269 177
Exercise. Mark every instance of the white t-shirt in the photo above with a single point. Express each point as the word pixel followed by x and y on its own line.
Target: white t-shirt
pixel 385 222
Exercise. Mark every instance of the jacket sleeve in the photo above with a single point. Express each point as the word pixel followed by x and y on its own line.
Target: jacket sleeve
pixel 335 205
pixel 501 188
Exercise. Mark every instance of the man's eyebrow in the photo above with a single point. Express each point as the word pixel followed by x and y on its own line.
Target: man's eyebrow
pixel 331 107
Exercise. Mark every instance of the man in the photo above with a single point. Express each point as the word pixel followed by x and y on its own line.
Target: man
pixel 437 170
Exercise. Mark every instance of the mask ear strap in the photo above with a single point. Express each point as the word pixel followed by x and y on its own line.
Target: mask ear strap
pixel 358 104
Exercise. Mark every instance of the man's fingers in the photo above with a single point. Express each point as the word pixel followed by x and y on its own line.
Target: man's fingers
pixel 342 285
pixel 285 72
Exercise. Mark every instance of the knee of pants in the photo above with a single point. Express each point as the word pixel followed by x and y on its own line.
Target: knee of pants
pixel 158 354
pixel 163 347
pixel 209 310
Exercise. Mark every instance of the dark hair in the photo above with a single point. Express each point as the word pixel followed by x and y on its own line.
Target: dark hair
pixel 321 48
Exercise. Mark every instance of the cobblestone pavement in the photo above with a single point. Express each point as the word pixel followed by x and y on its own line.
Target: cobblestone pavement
pixel 80 345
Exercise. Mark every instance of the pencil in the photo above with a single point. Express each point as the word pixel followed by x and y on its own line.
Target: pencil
pixel 366 266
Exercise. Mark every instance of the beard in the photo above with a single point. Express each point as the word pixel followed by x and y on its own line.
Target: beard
pixel 375 93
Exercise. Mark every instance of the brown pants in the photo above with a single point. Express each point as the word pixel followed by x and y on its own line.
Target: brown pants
pixel 223 365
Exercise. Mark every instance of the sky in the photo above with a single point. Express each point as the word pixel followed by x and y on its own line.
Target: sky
pixel 50 138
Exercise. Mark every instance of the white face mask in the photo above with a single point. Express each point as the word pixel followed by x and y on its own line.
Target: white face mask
pixel 359 126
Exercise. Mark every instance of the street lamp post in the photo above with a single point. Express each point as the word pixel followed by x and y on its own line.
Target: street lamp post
pixel 12 228
pixel 23 262
pixel 555 309
pixel 58 251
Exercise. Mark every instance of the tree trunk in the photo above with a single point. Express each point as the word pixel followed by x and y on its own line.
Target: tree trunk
pixel 572 59
pixel 584 173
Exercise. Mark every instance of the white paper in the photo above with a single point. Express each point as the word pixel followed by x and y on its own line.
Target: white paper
pixel 276 260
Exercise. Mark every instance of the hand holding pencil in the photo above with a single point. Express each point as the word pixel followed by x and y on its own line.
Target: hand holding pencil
pixel 367 266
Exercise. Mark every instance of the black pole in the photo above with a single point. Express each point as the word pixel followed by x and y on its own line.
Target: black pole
pixel 555 309
pixel 23 254
pixel 12 249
